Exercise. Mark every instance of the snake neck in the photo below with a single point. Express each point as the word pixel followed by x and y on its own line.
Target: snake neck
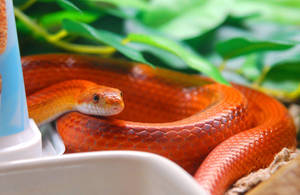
pixel 56 100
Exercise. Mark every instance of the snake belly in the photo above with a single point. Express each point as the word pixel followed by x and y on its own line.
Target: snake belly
pixel 216 132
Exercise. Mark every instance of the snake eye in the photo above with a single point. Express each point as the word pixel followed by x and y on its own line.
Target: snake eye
pixel 96 98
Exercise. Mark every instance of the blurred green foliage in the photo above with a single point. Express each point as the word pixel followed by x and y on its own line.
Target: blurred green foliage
pixel 254 42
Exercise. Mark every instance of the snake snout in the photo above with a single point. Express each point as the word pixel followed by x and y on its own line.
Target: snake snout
pixel 114 102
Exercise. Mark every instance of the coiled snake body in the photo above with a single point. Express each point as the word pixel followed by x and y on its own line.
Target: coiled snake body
pixel 236 130
pixel 185 118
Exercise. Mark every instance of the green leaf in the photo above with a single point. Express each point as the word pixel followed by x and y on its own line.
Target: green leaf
pixel 241 45
pixel 284 75
pixel 23 28
pixel 252 67
pixel 109 9
pixel 166 58
pixel 237 21
pixel 56 18
pixel 186 19
pixel 67 5
pixel 285 70
pixel 274 31
pixel 283 11
pixel 19 2
pixel 106 37
pixel 281 85
pixel 140 4
pixel 191 59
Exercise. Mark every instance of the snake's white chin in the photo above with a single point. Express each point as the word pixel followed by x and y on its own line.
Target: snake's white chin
pixel 91 109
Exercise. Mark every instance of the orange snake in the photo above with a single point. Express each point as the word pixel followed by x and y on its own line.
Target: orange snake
pixel 237 129
pixel 3 26
pixel 186 118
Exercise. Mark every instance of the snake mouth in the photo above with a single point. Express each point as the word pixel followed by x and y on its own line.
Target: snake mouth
pixel 3 26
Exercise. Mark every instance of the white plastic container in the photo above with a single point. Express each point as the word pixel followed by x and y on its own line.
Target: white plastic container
pixel 26 144
pixel 20 138
pixel 105 173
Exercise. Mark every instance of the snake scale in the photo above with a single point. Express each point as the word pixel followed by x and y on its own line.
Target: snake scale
pixel 217 133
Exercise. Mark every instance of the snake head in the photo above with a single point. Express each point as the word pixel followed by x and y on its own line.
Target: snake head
pixel 100 101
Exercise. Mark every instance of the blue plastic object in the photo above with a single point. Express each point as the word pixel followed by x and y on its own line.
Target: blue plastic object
pixel 13 109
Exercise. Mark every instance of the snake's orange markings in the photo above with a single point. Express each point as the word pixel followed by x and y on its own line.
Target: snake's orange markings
pixel 235 129
pixel 74 95
pixel 3 26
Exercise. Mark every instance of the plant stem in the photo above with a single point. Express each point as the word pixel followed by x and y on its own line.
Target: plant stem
pixel 283 95
pixel 280 94
pixel 223 65
pixel 55 39
pixel 295 94
pixel 59 35
pixel 84 48
pixel 30 23
pixel 26 5
pixel 262 76
pixel 125 41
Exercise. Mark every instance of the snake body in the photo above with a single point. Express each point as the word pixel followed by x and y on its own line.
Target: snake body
pixel 189 119
pixel 3 26
pixel 74 95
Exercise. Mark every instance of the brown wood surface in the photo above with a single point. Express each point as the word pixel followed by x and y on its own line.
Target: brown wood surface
pixel 285 181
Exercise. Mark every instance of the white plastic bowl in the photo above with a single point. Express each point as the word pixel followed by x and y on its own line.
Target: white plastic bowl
pixel 23 145
pixel 105 173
